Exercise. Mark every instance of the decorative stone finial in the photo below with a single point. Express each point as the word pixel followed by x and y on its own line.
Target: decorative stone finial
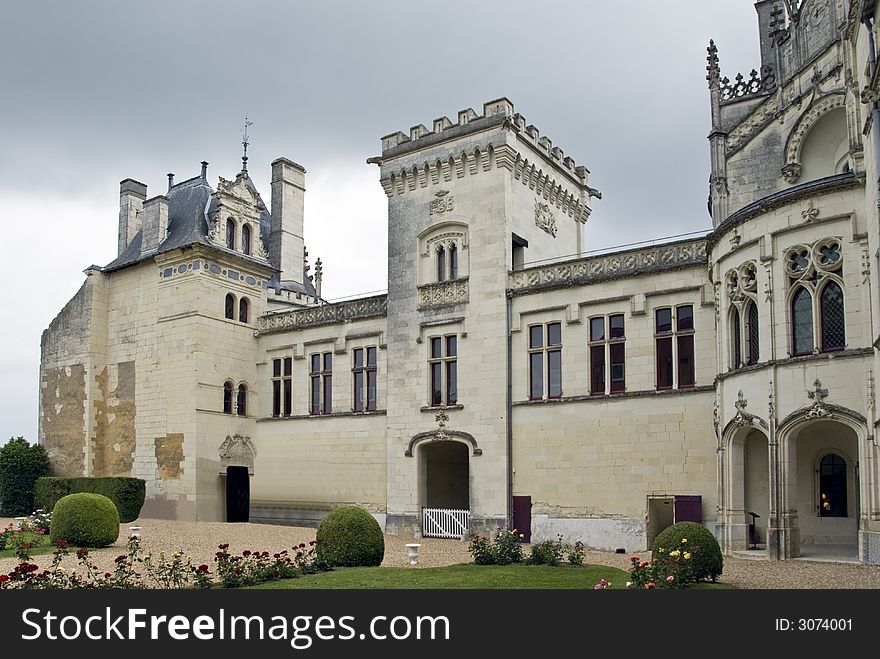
pixel 714 71
pixel 818 410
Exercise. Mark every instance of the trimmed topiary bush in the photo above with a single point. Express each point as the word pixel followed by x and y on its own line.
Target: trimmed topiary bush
pixel 127 493
pixel 85 520
pixel 350 537
pixel 706 559
pixel 21 464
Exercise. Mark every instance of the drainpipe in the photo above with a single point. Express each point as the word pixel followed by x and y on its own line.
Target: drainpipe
pixel 509 414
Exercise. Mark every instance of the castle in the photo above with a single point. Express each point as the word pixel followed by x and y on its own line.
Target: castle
pixel 509 375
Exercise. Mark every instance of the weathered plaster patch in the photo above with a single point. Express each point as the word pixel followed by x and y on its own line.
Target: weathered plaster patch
pixel 115 431
pixel 63 418
pixel 169 455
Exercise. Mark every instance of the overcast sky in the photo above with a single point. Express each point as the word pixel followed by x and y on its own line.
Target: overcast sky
pixel 94 91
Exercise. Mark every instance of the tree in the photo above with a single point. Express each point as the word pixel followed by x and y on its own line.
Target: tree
pixel 21 464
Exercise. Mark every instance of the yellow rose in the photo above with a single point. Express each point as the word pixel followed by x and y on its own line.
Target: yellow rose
pixel 687 556
pixel 684 540
pixel 675 554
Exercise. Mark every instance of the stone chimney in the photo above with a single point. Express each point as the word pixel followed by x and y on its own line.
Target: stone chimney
pixel 155 223
pixel 131 210
pixel 286 231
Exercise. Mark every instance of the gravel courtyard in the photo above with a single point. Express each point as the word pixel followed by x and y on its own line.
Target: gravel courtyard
pixel 200 541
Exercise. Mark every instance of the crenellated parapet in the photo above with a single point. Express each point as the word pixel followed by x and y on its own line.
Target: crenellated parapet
pixel 327 314
pixel 542 167
pixel 616 265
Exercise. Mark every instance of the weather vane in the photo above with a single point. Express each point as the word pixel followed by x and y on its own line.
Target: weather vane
pixel 244 143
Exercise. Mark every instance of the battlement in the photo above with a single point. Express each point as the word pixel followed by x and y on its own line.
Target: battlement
pixel 498 112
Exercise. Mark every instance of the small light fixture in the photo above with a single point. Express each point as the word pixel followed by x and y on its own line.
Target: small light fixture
pixel 135 532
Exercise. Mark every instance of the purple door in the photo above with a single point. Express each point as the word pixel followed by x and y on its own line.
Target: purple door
pixel 689 509
pixel 522 516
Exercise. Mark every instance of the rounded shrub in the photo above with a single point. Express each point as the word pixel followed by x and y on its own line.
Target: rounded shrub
pixel 85 520
pixel 706 561
pixel 350 537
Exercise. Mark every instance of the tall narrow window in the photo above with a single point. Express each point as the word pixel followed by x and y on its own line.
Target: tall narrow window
pixel 736 338
pixel 607 355
pixel 321 374
pixel 801 322
pixel 230 306
pixel 227 398
pixel 684 327
pixel 663 340
pixel 453 262
pixel 832 486
pixel 246 239
pixel 230 234
pixel 243 306
pixel 241 401
pixel 282 386
pixel 754 347
pixel 443 369
pixel 617 352
pixel 364 378
pixel 597 355
pixel 674 341
pixel 441 264
pixel 833 319
pixel 545 340
pixel 536 362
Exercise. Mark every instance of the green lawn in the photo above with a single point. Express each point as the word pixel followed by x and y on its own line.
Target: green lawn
pixel 45 547
pixel 458 576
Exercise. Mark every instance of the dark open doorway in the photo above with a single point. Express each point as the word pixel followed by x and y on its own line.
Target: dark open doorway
pixel 238 494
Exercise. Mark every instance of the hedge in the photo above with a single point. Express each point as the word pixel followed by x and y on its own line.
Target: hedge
pixel 707 559
pixel 127 493
pixel 21 464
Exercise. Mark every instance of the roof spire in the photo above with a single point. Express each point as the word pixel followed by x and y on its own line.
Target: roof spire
pixel 244 143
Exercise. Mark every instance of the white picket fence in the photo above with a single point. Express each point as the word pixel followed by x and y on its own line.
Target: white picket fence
pixel 445 522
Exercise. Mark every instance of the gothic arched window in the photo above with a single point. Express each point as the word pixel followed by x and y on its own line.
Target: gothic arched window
pixel 246 239
pixel 230 306
pixel 736 338
pixel 243 307
pixel 230 234
pixel 832 486
pixel 241 402
pixel 833 319
pixel 752 333
pixel 441 264
pixel 227 398
pixel 453 262
pixel 801 322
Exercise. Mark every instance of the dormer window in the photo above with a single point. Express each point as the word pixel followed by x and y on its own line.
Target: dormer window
pixel 246 239
pixel 230 233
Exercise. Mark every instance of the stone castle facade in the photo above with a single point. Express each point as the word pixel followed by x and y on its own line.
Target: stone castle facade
pixel 507 371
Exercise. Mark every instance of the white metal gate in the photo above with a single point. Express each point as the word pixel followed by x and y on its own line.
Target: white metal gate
pixel 445 522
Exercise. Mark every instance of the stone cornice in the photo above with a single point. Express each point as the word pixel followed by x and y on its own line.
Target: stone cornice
pixel 790 195
pixel 327 314
pixel 615 265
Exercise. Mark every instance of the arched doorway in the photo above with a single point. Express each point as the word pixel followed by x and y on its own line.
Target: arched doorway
pixel 444 490
pixel 237 454
pixel 446 475
pixel 821 473
pixel 747 506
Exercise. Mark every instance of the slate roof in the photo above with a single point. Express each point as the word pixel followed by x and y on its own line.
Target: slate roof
pixel 190 203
